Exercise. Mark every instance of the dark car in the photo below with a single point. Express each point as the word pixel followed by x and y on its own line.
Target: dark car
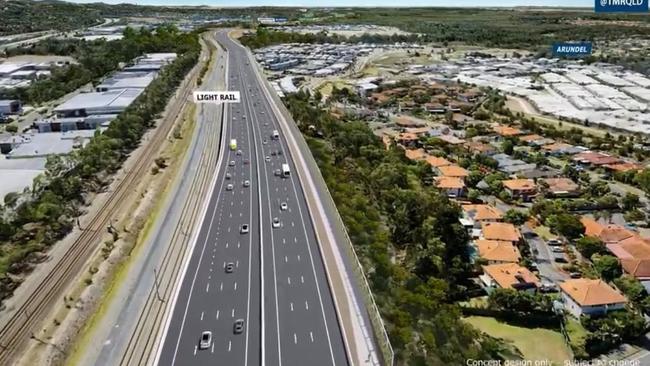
pixel 238 327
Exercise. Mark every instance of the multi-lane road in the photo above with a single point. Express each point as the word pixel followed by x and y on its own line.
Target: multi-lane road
pixel 278 285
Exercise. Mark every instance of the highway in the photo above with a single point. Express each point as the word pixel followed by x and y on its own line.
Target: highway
pixel 278 285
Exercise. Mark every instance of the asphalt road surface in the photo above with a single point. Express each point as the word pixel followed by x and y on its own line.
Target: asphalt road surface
pixel 278 285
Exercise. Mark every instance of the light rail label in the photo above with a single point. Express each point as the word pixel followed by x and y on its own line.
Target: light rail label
pixel 217 97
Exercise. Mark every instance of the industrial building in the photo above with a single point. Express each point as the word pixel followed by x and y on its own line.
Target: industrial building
pixel 10 107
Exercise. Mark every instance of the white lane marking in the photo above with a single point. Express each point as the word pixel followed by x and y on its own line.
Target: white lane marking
pixel 298 257
pixel 221 287
pixel 230 215
pixel 237 264
pixel 286 259
pixel 306 305
pixel 202 315
pixel 233 313
pixel 295 240
pixel 241 214
pixel 284 241
pixel 235 286
pixel 218 311
pixel 290 304
pixel 195 350
pixel 229 345
pixel 207 287
pixel 311 336
pixel 238 245
pixel 289 280
pixel 227 244
pixel 295 338
pixel 228 228
pixel 212 351
pixel 302 279
pixel 293 224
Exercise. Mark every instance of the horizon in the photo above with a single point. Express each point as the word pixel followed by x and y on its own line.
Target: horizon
pixel 505 4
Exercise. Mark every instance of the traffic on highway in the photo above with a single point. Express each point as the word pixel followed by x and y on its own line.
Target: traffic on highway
pixel 255 291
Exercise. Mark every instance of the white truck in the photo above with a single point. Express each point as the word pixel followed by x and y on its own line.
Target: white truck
pixel 285 171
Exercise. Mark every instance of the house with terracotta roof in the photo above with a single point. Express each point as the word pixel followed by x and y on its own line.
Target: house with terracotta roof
pixel 451 139
pixel 592 158
pixel 437 162
pixel 560 187
pixel 506 131
pixel 452 171
pixel 585 296
pixel 480 148
pixel 634 255
pixel 623 167
pixel 497 251
pixel 524 189
pixel 508 275
pixel 475 215
pixel 452 186
pixel 415 154
pixel 536 140
pixel 609 233
pixel 407 139
pixel 502 231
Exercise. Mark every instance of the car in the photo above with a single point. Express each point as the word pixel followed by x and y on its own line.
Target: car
pixel 548 287
pixel 267 158
pixel 244 229
pixel 229 187
pixel 246 161
pixel 243 116
pixel 228 176
pixel 575 275
pixel 238 327
pixel 553 242
pixel 283 206
pixel 247 183
pixel 273 153
pixel 264 141
pixel 557 249
pixel 206 339
pixel 230 267
pixel 262 112
pixel 276 223
pixel 560 260
pixel 232 163
pixel 277 172
pixel 279 152
pixel 238 152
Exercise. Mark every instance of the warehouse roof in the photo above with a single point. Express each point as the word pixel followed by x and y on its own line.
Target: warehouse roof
pixel 113 99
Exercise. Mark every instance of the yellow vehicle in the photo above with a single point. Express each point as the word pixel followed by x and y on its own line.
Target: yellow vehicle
pixel 233 144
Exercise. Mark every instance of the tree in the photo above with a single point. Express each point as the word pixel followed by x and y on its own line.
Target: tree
pixel 630 201
pixel 12 128
pixel 588 246
pixel 567 225
pixel 516 217
pixel 643 180
pixel 607 266
pixel 507 146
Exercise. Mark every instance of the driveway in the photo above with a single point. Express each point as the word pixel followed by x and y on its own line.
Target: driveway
pixel 548 268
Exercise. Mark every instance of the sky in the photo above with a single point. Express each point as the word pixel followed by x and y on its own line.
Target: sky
pixel 348 3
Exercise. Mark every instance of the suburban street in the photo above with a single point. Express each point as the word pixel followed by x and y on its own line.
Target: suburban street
pixel 277 285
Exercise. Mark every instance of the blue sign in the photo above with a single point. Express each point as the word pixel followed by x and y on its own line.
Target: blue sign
pixel 571 49
pixel 621 6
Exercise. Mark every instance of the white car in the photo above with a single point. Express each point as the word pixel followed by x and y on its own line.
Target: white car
pixel 229 187
pixel 247 183
pixel 283 206
pixel 232 163
pixel 244 229
pixel 228 176
pixel 276 223
pixel 206 340
pixel 267 158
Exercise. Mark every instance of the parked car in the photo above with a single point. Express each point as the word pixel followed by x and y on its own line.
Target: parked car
pixel 575 275
pixel 553 242
pixel 557 249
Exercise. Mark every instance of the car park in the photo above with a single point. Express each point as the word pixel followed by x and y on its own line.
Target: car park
pixel 230 267
pixel 206 340
pixel 244 229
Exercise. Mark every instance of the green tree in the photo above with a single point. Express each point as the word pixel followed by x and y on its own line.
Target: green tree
pixel 630 201
pixel 607 266
pixel 588 246
pixel 566 224
pixel 12 128
pixel 516 217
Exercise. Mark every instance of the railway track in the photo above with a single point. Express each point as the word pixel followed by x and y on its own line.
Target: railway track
pixel 151 318
pixel 25 320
